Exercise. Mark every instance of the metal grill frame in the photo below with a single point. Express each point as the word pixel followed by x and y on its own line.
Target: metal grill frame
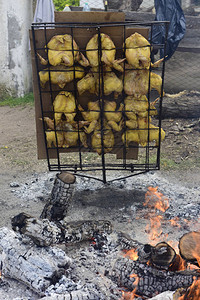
pixel 81 168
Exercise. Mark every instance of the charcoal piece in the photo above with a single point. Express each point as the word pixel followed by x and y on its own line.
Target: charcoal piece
pixel 61 196
pixel 84 230
pixel 151 280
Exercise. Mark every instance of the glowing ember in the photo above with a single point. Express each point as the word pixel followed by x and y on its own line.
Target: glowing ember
pixel 132 254
pixel 174 222
pixel 156 200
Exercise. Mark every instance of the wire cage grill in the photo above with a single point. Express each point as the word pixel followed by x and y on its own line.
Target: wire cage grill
pixel 96 110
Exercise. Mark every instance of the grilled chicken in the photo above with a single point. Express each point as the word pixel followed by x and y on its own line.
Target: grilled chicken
pixel 64 103
pixel 108 51
pixel 60 75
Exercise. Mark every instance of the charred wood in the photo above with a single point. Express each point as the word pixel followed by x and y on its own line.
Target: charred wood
pixel 84 230
pixel 61 196
pixel 42 232
pixel 162 255
pixel 151 280
pixel 45 233
pixel 36 267
pixel 127 243
pixel 74 295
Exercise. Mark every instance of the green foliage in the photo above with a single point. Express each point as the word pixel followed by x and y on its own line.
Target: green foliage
pixel 21 101
pixel 60 4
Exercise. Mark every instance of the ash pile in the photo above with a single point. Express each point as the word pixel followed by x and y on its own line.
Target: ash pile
pixel 61 258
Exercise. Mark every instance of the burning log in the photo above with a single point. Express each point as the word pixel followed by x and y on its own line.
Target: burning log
pixel 36 267
pixel 162 255
pixel 45 233
pixel 61 197
pixel 189 246
pixel 151 280
pixel 143 251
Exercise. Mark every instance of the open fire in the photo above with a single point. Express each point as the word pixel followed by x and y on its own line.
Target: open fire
pixel 121 267
pixel 162 255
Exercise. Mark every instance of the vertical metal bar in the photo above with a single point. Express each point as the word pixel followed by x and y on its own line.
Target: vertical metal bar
pixel 101 101
pixel 51 96
pixel 123 97
pixel 166 24
pixel 148 95
pixel 75 95
pixel 40 94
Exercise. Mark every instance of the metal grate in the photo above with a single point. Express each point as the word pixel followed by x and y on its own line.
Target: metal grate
pixel 100 154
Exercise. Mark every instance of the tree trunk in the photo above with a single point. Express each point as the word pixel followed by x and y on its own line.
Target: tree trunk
pixel 182 105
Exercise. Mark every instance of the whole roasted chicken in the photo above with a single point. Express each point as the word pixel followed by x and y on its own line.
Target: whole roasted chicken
pixel 137 51
pixel 103 138
pixel 113 115
pixel 148 131
pixel 64 103
pixel 111 83
pixel 101 48
pixel 66 134
pixel 62 49
pixel 60 75
pixel 136 82
pixel 91 115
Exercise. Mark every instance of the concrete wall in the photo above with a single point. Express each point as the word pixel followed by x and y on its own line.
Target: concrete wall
pixel 16 75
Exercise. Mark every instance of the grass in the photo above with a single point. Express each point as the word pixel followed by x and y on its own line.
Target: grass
pixel 21 101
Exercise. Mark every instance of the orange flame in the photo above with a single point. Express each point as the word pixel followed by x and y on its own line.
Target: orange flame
pixel 154 229
pixel 156 200
pixel 131 295
pixel 193 292
pixel 132 254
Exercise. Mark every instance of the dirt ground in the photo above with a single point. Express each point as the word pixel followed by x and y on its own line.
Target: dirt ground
pixel 18 155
